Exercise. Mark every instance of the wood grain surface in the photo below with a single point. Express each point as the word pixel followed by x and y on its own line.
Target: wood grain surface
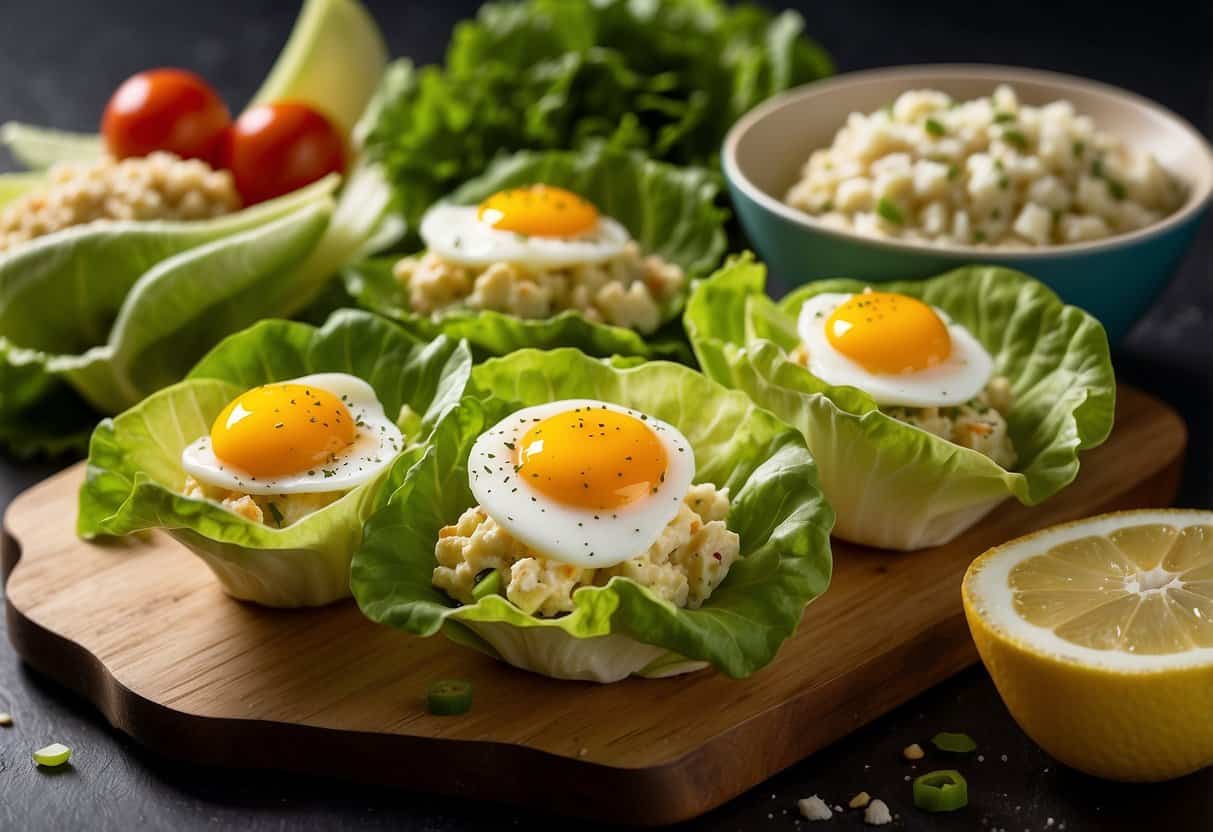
pixel 141 629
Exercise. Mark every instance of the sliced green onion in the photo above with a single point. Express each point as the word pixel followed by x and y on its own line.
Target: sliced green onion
pixel 449 697
pixel 953 171
pixel 979 236
pixel 490 584
pixel 1097 168
pixel 1016 138
pixel 1003 118
pixel 953 743
pixel 276 514
pixel 941 791
pixel 888 210
pixel 55 754
pixel 1117 190
pixel 934 127
pixel 1079 148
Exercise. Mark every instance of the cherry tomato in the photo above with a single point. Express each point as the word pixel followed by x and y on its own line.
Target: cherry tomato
pixel 165 109
pixel 273 149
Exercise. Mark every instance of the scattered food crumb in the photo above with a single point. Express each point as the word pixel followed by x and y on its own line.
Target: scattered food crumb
pixel 6 719
pixel 814 808
pixel 837 808
pixel 582 752
pixel 981 758
pixel 860 800
pixel 913 752
pixel 907 778
pixel 1004 758
pixel 877 814
pixel 1048 821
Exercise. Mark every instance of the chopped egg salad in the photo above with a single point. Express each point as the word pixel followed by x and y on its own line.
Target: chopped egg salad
pixel 988 172
pixel 576 492
pixel 278 452
pixel 533 252
pixel 921 367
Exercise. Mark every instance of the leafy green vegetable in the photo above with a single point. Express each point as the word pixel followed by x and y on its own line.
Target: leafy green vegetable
pixel 15 185
pixel 333 60
pixel 669 211
pixel 40 147
pixel 617 629
pixel 668 78
pixel 894 485
pixel 135 478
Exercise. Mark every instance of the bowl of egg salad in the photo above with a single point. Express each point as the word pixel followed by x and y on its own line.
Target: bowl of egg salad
pixel 907 172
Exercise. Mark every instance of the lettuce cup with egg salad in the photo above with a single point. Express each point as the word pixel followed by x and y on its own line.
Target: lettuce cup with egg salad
pixel 267 460
pixel 583 520
pixel 924 403
pixel 593 249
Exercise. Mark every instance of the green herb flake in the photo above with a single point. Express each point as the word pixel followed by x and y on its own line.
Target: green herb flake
pixel 887 210
pixel 934 127
pixel 1097 168
pixel 1015 138
pixel 1117 190
pixel 953 743
pixel 276 514
pixel 1079 148
pixel 1003 118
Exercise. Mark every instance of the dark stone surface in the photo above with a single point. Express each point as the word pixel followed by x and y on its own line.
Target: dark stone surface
pixel 59 60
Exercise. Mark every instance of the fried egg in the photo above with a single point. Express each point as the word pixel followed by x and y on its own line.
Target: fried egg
pixel 581 481
pixel 895 348
pixel 541 226
pixel 319 433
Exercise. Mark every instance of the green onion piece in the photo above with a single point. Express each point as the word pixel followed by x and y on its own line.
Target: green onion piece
pixel 941 791
pixel 1117 190
pixel 1003 182
pixel 1097 168
pixel 490 584
pixel 934 127
pixel 979 236
pixel 449 697
pixel 888 210
pixel 55 754
pixel 1016 138
pixel 1003 118
pixel 953 171
pixel 276 514
pixel 1079 148
pixel 953 743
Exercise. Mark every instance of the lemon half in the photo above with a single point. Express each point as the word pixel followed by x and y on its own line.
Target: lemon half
pixel 1099 637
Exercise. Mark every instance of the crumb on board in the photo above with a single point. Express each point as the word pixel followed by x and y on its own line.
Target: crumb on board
pixel 913 751
pixel 877 813
pixel 814 808
pixel 860 800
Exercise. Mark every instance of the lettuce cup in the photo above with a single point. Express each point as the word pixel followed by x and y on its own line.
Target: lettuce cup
pixel 925 404
pixel 583 520
pixel 593 249
pixel 267 460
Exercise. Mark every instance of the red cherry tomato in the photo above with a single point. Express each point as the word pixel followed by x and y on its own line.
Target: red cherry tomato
pixel 273 149
pixel 165 109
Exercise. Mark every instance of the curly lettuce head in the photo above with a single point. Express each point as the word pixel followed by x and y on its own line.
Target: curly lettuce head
pixel 891 484
pixel 669 211
pixel 668 78
pixel 135 478
pixel 618 629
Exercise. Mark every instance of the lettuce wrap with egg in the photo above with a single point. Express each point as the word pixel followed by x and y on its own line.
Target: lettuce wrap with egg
pixel 620 628
pixel 669 211
pixel 135 476
pixel 894 485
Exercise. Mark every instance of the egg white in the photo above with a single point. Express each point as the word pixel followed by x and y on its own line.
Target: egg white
pixel 377 441
pixel 455 233
pixel 582 537
pixel 953 381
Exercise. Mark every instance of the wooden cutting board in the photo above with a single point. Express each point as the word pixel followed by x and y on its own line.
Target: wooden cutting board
pixel 142 630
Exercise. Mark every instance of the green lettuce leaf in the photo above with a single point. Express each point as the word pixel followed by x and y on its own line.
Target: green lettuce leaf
pixel 669 211
pixel 40 147
pixel 135 478
pixel 667 78
pixel 894 485
pixel 620 628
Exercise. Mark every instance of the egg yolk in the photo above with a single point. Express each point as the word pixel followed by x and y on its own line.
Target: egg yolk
pixel 889 333
pixel 282 429
pixel 539 211
pixel 592 458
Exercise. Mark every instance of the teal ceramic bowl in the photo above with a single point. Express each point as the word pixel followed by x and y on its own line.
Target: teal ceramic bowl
pixel 1116 279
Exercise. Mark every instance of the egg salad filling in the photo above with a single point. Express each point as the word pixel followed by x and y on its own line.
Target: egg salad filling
pixel 574 493
pixel 533 252
pixel 920 367
pixel 683 566
pixel 279 452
